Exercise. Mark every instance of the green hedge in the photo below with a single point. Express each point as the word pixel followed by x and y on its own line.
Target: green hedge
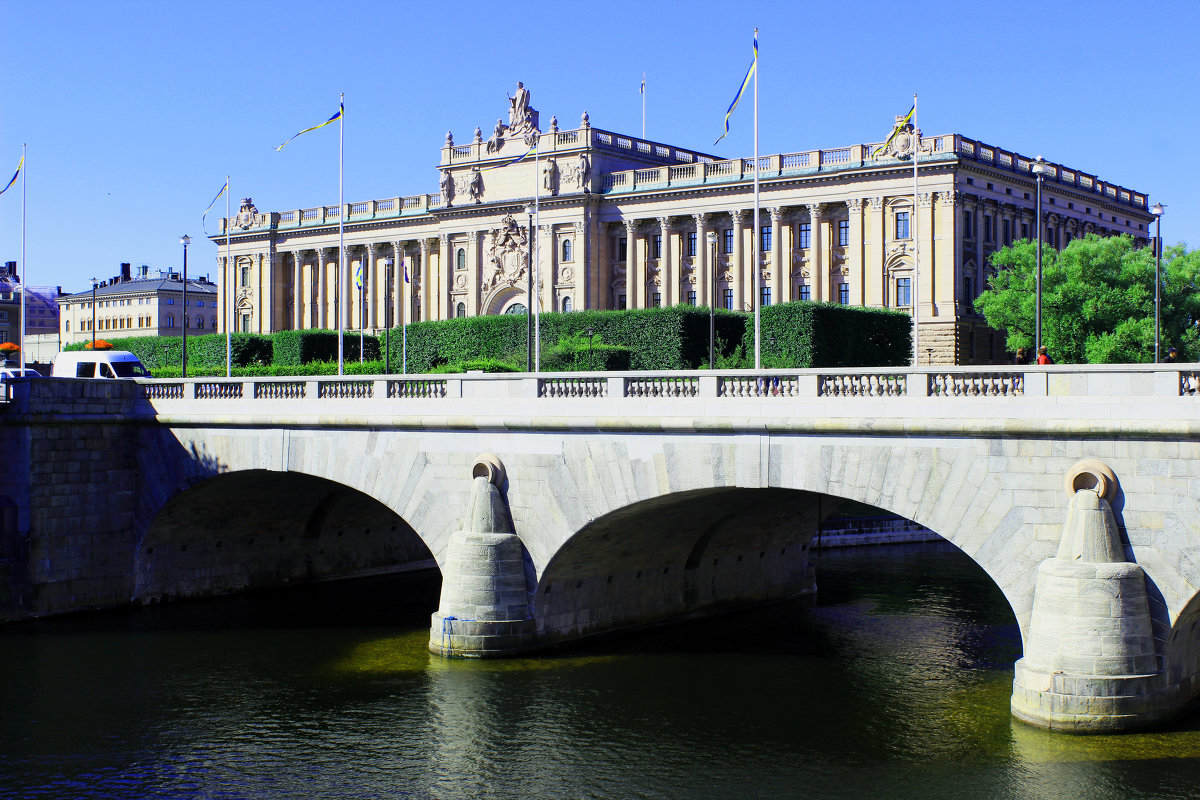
pixel 207 349
pixel 831 335
pixel 657 338
pixel 303 347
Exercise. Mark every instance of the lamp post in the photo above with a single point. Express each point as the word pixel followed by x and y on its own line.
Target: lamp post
pixel 529 311
pixel 589 335
pixel 1039 169
pixel 387 315
pixel 1157 211
pixel 185 240
pixel 94 282
pixel 712 302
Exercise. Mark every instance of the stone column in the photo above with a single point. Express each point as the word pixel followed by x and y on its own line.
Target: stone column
pixel 484 609
pixel 474 272
pixel 668 273
pixel 737 261
pixel 322 314
pixel 547 274
pixel 582 269
pixel 297 287
pixel 441 281
pixel 701 268
pixel 419 308
pixel 936 285
pixel 1090 663
pixel 818 264
pixel 634 277
pixel 371 286
pixel 780 260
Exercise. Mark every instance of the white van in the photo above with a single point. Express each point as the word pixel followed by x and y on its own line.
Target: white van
pixel 98 364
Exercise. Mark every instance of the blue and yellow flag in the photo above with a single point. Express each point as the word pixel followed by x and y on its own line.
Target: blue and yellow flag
pixel 899 126
pixel 742 88
pixel 210 205
pixel 532 150
pixel 358 276
pixel 341 110
pixel 8 185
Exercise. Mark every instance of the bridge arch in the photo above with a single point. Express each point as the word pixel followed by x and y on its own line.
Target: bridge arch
pixel 253 529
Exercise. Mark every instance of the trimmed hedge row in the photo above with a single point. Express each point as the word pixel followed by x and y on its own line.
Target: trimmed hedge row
pixel 831 335
pixel 804 335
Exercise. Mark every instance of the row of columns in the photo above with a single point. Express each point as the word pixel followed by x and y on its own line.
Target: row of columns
pixel 735 270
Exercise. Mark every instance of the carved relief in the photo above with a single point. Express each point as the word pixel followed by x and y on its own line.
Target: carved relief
pixel 508 255
pixel 247 215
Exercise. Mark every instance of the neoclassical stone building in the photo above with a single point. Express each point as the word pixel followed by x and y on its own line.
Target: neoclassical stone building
pixel 626 223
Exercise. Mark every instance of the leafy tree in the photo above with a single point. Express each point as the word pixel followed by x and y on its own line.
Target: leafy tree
pixel 1097 300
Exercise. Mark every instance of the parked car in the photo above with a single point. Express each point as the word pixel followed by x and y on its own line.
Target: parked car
pixel 98 364
pixel 7 372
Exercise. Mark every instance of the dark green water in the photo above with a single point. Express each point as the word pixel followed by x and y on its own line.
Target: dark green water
pixel 894 685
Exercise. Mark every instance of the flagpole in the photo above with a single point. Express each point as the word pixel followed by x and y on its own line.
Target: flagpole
pixel 916 246
pixel 537 256
pixel 24 266
pixel 228 287
pixel 643 105
pixel 407 313
pixel 757 272
pixel 341 276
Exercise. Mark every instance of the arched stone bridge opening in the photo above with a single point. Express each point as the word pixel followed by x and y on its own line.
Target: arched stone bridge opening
pixel 257 529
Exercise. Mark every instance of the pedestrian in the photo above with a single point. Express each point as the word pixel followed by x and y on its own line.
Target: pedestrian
pixel 1043 356
pixel 1172 356
pixel 1022 356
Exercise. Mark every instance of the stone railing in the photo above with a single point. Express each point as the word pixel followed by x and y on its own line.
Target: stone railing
pixel 846 386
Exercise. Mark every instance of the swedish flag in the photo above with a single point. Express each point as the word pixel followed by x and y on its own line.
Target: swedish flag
pixel 224 188
pixel 742 88
pixel 8 185
pixel 341 110
pixel 899 126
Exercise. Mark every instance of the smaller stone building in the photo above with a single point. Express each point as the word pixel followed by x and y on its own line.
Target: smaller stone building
pixel 139 305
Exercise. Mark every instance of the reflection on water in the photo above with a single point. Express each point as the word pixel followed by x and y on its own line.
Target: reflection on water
pixel 894 684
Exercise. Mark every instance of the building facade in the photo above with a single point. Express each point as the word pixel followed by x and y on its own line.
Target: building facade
pixel 612 221
pixel 138 305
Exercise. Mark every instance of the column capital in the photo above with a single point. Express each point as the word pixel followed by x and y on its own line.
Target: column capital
pixel 855 204
pixel 876 203
pixel 443 239
pixel 665 224
pixel 814 210
pixel 925 199
pixel 630 226
pixel 951 198
pixel 738 215
pixel 777 214
pixel 702 219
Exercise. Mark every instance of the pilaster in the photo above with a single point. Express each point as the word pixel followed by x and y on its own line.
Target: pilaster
pixel 738 260
pixel 780 257
pixel 818 261
pixel 635 279
pixel 439 285
pixel 668 271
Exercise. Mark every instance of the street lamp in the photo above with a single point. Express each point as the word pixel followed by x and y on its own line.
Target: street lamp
pixel 185 240
pixel 712 302
pixel 387 315
pixel 1040 168
pixel 1157 211
pixel 94 282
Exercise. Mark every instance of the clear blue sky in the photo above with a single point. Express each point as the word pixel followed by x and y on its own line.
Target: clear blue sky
pixel 134 112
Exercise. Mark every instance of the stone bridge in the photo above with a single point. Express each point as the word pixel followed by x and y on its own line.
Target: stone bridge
pixel 563 506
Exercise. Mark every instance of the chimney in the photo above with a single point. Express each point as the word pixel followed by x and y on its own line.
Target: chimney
pixel 10 268
pixel 124 271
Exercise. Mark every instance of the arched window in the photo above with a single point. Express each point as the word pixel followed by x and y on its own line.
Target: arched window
pixel 566 304
pixel 67 323
pixel 460 260
pixel 566 250
pixel 516 308
pixel 214 323
pixel 170 320
pixel 460 310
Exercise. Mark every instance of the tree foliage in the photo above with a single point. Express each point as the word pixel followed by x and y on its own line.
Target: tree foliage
pixel 1097 300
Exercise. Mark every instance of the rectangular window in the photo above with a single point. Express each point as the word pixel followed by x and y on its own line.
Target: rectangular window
pixel 245 276
pixel 622 246
pixel 967 224
pixel 766 297
pixel 902 231
pixel 656 246
pixel 844 293
pixel 691 297
pixel 903 292
pixel 843 232
pixel 727 236
pixel 805 235
pixel 765 239
pixel 805 292
pixel 656 300
pixel 245 323
pixel 170 301
pixel 621 302
pixel 1024 230
pixel 987 227
pixel 728 298
pixel 691 243
pixel 1007 232
pixel 968 288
